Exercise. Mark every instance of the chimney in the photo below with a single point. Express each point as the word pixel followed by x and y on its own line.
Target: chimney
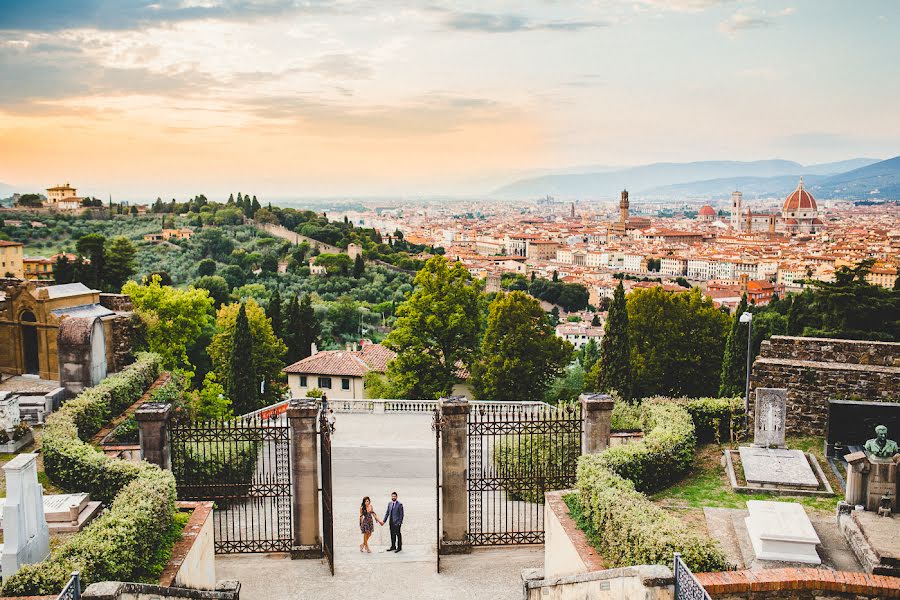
pixel 313 349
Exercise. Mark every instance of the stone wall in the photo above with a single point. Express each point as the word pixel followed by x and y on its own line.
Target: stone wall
pixel 117 302
pixel 122 332
pixel 798 584
pixel 816 370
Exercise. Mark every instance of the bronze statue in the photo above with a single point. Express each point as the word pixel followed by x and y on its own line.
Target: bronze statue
pixel 880 446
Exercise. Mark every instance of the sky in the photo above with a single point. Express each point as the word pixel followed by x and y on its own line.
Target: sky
pixel 299 98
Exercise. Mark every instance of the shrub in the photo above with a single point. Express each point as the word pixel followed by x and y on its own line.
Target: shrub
pixel 530 465
pixel 628 529
pixel 626 416
pixel 95 406
pixel 662 456
pixel 715 419
pixel 116 545
pixel 232 462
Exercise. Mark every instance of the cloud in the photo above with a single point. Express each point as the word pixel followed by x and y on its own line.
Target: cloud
pixel 512 23
pixel 678 5
pixel 342 66
pixel 52 15
pixel 742 21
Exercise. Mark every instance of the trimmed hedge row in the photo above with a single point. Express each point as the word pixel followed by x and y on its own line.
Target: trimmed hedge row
pixel 116 545
pixel 96 406
pixel 664 454
pixel 629 529
pixel 715 419
pixel 530 465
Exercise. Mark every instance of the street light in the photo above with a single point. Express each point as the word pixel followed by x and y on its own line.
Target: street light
pixel 748 319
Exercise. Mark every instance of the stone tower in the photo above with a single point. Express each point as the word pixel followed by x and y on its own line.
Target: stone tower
pixel 736 210
pixel 623 209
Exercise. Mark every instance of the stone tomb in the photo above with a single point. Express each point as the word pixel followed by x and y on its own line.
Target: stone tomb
pixel 26 539
pixel 781 531
pixel 68 513
pixel 777 467
pixel 769 417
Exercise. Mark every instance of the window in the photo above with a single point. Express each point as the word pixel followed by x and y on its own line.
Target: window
pixel 345 384
pixel 325 383
pixel 303 381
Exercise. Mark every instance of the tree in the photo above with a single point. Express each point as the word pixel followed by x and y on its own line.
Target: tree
pixel 164 278
pixel 335 263
pixel 553 316
pixel 205 267
pixel 566 388
pixel 734 363
pixel 174 318
pixel 246 351
pixel 210 403
pixel 359 266
pixel 520 352
pixel 273 311
pixel 301 328
pixel 612 369
pixel 120 263
pixel 30 200
pixel 595 321
pixel 589 355
pixel 63 270
pixel 436 332
pixel 677 343
pixel 92 247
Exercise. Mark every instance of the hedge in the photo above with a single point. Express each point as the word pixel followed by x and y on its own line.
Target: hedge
pixel 662 456
pixel 116 545
pixel 715 419
pixel 232 463
pixel 628 529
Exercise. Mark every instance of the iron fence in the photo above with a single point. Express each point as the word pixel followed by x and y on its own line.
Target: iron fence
pixel 244 466
pixel 686 585
pixel 327 498
pixel 515 456
pixel 72 591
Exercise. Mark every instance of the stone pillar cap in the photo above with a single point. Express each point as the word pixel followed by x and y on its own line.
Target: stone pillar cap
pixel 21 461
pixel 454 405
pixel 302 407
pixel 153 411
pixel 597 401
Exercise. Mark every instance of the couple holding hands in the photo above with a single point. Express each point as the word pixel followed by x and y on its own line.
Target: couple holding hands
pixel 393 516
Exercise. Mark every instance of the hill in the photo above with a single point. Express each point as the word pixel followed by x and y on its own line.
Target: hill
pixel 703 179
pixel 879 180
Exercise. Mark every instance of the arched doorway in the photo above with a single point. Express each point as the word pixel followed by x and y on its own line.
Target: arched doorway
pixel 30 357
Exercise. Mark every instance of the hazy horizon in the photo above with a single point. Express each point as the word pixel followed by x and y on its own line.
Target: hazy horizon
pixel 360 99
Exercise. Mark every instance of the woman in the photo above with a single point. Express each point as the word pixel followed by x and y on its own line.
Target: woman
pixel 366 514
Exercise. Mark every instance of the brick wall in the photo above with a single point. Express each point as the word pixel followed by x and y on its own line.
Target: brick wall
pixel 816 370
pixel 798 584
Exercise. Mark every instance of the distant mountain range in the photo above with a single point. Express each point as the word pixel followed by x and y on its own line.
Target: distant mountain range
pixel 854 178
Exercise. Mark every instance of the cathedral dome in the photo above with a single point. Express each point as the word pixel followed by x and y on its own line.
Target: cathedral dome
pixel 707 211
pixel 799 199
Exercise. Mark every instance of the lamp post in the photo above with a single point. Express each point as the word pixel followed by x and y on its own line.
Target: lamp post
pixel 748 319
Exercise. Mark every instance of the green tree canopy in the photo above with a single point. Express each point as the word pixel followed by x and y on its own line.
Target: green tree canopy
pixel 734 363
pixel 612 370
pixel 436 331
pixel 232 353
pixel 335 264
pixel 120 263
pixel 520 354
pixel 173 318
pixel 677 343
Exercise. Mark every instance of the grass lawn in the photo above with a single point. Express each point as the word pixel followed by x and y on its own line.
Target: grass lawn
pixel 707 483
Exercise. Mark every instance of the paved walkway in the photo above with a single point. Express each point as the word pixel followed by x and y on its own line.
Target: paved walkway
pixel 374 455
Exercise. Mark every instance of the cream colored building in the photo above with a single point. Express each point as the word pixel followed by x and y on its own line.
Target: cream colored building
pixel 63 197
pixel 11 259
pixel 338 373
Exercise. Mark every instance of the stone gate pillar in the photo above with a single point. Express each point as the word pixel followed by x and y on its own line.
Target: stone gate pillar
pixel 454 461
pixel 596 410
pixel 153 428
pixel 302 417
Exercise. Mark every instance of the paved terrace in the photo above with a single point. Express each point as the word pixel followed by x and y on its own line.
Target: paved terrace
pixel 373 455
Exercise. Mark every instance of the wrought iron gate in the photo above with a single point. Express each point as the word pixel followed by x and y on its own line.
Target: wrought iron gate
pixel 244 466
pixel 686 585
pixel 327 498
pixel 436 425
pixel 515 455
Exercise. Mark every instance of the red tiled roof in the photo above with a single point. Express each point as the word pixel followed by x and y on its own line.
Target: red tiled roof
pixel 5 244
pixel 352 363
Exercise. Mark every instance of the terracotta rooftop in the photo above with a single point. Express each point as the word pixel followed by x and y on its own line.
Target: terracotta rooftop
pixel 351 363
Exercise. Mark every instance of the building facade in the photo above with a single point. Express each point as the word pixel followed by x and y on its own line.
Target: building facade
pixel 12 259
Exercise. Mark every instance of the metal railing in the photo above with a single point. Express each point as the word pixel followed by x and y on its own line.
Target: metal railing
pixel 72 591
pixel 686 585
pixel 390 405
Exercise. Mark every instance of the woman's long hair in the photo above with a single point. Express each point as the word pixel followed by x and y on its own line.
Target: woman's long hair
pixel 362 507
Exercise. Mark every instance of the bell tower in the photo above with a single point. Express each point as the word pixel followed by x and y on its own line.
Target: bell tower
pixel 736 210
pixel 623 209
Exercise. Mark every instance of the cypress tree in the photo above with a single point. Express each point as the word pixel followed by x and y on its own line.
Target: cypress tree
pixel 254 206
pixel 290 327
pixel 308 332
pixel 359 266
pixel 273 311
pixel 613 369
pixel 734 363
pixel 242 386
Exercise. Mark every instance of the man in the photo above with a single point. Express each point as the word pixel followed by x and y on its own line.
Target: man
pixel 880 446
pixel 394 517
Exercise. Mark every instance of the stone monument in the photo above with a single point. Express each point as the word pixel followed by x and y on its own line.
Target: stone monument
pixel 880 446
pixel 782 531
pixel 26 539
pixel 10 418
pixel 769 416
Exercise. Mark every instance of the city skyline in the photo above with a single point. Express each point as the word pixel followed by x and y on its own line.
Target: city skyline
pixel 290 100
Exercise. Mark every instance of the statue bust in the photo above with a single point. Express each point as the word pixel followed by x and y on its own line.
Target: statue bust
pixel 880 446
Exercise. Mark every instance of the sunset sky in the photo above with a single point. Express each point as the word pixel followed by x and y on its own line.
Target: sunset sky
pixel 140 98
